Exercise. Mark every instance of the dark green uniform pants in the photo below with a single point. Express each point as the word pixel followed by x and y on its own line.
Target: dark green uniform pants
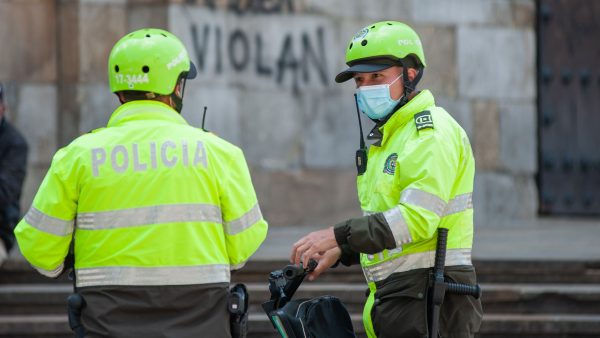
pixel 400 308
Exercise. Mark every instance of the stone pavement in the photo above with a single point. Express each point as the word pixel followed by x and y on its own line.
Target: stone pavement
pixel 542 239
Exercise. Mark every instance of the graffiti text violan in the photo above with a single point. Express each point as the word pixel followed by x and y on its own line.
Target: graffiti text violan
pixel 296 58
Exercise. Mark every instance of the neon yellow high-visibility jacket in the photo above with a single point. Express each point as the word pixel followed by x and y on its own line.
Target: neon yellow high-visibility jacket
pixel 151 201
pixel 419 178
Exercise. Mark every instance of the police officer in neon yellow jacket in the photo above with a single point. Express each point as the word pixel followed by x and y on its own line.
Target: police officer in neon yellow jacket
pixel 159 212
pixel 419 177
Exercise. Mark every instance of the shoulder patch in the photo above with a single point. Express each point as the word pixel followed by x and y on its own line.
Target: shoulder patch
pixel 390 164
pixel 423 120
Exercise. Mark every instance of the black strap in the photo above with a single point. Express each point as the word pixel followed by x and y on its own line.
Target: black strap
pixel 75 302
pixel 361 153
pixel 362 139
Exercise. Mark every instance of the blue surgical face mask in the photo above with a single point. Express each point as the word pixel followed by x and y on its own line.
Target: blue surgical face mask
pixel 375 101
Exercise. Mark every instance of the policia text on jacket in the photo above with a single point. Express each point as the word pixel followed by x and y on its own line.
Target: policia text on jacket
pixel 142 157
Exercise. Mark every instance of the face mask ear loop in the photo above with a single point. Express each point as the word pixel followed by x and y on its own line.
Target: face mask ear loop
pixel 399 76
pixel 407 88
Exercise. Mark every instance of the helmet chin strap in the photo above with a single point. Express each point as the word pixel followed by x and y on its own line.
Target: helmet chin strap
pixel 177 103
pixel 409 87
pixel 176 99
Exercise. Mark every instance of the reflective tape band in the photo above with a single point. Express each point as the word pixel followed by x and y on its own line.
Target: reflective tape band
pixel 140 276
pixel 459 203
pixel 51 273
pixel 424 200
pixel 47 223
pixel 169 213
pixel 248 219
pixel 238 266
pixel 398 225
pixel 421 260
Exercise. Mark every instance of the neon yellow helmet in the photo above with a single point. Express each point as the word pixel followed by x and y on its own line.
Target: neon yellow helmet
pixel 148 60
pixel 381 45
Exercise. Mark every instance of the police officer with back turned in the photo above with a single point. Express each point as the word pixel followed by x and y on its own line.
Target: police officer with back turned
pixel 160 212
pixel 416 177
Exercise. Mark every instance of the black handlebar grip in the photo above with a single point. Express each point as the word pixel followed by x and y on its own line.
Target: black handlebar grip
pixel 292 271
pixel 464 289
pixel 440 253
pixel 312 265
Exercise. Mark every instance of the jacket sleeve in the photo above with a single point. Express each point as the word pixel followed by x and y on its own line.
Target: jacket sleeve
pixel 245 227
pixel 427 168
pixel 12 172
pixel 44 234
pixel 349 257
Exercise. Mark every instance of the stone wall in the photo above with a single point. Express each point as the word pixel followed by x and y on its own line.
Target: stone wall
pixel 266 76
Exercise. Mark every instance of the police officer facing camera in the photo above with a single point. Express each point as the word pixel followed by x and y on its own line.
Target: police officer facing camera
pixel 159 212
pixel 416 176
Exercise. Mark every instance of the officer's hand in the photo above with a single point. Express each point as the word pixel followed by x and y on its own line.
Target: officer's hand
pixel 325 262
pixel 313 245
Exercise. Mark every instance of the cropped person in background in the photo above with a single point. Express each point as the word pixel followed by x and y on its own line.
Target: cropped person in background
pixel 13 165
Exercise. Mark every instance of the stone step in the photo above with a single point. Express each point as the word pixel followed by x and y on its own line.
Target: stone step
pixel 494 326
pixel 497 298
pixel 540 326
pixel 538 271
pixel 30 326
pixel 541 298
pixel 17 270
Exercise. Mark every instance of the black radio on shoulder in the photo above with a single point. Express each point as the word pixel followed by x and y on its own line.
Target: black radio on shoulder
pixel 361 154
pixel 361 161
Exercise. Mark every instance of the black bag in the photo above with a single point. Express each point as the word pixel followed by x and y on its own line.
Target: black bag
pixel 319 317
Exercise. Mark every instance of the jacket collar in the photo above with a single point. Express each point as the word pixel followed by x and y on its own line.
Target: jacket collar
pixel 382 131
pixel 144 110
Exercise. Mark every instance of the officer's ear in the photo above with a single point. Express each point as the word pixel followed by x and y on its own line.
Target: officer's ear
pixel 412 73
pixel 121 97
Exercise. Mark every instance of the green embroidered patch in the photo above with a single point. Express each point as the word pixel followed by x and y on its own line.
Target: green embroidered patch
pixel 390 164
pixel 423 120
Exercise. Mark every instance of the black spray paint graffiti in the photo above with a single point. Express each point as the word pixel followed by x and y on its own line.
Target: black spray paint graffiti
pixel 241 50
pixel 252 6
